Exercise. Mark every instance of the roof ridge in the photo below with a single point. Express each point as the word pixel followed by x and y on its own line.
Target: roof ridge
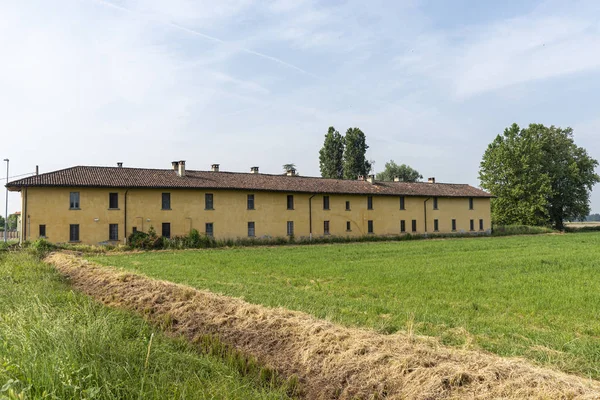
pixel 112 167
pixel 261 173
pixel 45 173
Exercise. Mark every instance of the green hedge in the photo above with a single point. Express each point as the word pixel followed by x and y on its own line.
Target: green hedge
pixel 195 240
pixel 507 230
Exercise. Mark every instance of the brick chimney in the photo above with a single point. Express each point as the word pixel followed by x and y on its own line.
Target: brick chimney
pixel 371 179
pixel 431 180
pixel 291 172
pixel 181 168
pixel 254 170
pixel 215 168
pixel 120 164
pixel 175 165
pixel 361 177
pixel 396 179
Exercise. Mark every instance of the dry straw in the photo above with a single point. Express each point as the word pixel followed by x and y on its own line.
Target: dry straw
pixel 330 361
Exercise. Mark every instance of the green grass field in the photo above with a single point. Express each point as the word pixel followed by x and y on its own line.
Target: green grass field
pixel 57 344
pixel 531 296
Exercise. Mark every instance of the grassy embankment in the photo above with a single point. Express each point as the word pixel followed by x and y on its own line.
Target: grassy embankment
pixel 531 296
pixel 57 344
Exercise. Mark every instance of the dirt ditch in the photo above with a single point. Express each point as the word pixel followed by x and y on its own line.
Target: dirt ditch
pixel 330 361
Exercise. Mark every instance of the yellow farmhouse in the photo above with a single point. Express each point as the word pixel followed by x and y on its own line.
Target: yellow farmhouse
pixel 99 205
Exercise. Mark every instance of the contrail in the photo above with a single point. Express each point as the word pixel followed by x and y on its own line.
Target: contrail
pixel 249 51
pixel 109 4
pixel 213 39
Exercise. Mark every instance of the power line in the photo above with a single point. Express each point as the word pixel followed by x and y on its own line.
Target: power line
pixel 17 176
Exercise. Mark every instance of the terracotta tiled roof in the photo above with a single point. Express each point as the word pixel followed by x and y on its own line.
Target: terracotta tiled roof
pixel 114 177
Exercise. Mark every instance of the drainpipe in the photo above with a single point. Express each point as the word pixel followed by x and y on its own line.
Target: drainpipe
pixel 425 212
pixel 125 217
pixel 310 216
pixel 26 219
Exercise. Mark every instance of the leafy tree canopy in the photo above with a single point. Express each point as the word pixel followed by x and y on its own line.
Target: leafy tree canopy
pixel 331 155
pixel 404 172
pixel 355 162
pixel 539 175
pixel 12 221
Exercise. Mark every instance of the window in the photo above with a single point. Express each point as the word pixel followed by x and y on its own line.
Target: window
pixel 435 203
pixel 326 227
pixel 436 225
pixel 453 225
pixel 134 229
pixel 166 229
pixel 74 201
pixel 348 226
pixel 166 201
pixel 470 203
pixel 480 224
pixel 403 226
pixel 74 233
pixel 347 205
pixel 414 225
pixel 325 202
pixel 113 200
pixel 113 231
pixel 208 201
pixel 209 229
pixel 472 225
pixel 370 226
pixel 43 231
pixel 290 228
pixel 250 202
pixel 290 202
pixel 370 202
pixel 402 207
pixel 251 231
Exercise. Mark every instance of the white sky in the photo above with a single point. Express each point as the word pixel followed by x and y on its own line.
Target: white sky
pixel 245 82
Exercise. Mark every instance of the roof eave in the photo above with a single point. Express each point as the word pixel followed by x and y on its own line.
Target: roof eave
pixel 18 188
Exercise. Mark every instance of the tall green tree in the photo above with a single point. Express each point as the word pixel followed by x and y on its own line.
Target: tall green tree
pixel 404 172
pixel 331 155
pixel 12 222
pixel 539 175
pixel 355 162
pixel 1 222
pixel 287 167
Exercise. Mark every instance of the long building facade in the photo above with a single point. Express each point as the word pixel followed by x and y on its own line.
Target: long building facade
pixel 101 205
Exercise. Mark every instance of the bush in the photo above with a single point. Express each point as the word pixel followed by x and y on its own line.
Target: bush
pixel 193 239
pixel 507 230
pixel 41 247
pixel 575 229
pixel 145 241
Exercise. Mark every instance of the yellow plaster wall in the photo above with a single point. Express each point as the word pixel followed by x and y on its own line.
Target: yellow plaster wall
pixel 230 216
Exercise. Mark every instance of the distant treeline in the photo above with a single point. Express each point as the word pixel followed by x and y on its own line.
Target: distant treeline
pixel 593 217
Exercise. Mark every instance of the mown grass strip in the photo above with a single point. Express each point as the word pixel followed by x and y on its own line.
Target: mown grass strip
pixel 531 296
pixel 58 344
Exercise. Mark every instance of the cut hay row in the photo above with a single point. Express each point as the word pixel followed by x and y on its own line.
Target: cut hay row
pixel 330 361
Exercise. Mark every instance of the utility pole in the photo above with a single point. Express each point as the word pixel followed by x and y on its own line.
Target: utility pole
pixel 6 210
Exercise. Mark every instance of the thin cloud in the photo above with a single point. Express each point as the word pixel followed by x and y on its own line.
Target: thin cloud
pixel 527 49
pixel 215 39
